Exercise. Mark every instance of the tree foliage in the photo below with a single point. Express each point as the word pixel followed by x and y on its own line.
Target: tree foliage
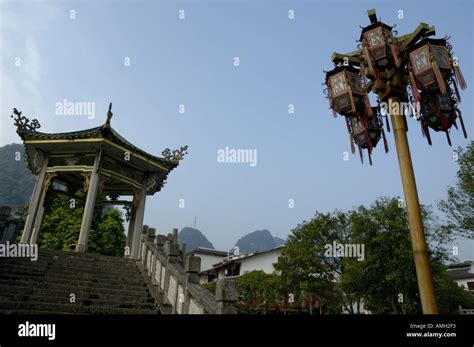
pixel 459 205
pixel 62 223
pixel 259 292
pixel 385 280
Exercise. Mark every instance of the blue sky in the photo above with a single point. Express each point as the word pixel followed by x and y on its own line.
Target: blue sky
pixel 191 62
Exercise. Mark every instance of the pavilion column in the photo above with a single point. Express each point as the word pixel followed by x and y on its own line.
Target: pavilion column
pixel 81 245
pixel 40 213
pixel 38 220
pixel 131 223
pixel 138 224
pixel 35 201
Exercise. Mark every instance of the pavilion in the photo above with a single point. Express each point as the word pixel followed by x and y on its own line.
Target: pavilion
pixel 100 162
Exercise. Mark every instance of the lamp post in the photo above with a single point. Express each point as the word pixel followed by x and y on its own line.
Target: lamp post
pixel 408 70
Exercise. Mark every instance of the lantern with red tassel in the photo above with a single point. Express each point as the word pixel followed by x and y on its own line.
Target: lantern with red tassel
pixel 433 71
pixel 366 131
pixel 348 97
pixel 380 49
pixel 345 91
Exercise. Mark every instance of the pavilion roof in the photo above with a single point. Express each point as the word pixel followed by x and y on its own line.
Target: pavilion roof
pixel 70 154
pixel 103 131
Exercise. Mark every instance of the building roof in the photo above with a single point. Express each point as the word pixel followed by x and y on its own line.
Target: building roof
pixel 100 132
pixel 135 169
pixel 461 270
pixel 241 257
pixel 210 251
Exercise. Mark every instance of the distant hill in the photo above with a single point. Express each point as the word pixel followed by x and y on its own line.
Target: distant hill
pixel 258 241
pixel 16 180
pixel 193 238
pixel 278 241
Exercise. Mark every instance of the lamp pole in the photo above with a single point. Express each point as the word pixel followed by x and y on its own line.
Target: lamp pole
pixel 391 64
pixel 415 222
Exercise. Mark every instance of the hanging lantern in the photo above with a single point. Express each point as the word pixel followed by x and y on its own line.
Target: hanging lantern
pixel 433 71
pixel 439 112
pixel 348 97
pixel 345 92
pixel 366 131
pixel 379 48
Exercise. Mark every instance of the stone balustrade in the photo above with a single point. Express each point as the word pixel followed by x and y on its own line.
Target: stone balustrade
pixel 176 287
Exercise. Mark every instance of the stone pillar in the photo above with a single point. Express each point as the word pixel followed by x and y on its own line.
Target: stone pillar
pixel 175 235
pixel 172 251
pixel 227 294
pixel 160 242
pixel 35 200
pixel 48 180
pixel 38 220
pixel 138 225
pixel 192 266
pixel 81 245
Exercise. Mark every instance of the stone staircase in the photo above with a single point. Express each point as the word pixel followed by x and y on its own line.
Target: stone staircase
pixel 100 284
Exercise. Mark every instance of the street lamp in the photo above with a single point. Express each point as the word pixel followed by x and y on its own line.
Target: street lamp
pixel 411 68
pixel 433 70
pixel 348 97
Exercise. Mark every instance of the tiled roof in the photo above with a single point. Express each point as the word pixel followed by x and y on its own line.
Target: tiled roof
pixel 103 131
pixel 461 271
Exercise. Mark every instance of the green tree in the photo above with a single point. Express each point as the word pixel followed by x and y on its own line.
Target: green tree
pixel 385 280
pixel 459 205
pixel 259 292
pixel 62 223
pixel 306 268
pixel 109 238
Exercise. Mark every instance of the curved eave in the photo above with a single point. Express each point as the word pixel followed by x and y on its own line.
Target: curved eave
pixel 93 137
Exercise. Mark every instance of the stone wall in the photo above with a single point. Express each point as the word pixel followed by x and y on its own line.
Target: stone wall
pixel 176 286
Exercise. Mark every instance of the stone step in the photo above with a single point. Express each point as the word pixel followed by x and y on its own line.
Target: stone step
pixel 70 308
pixel 29 312
pixel 80 291
pixel 122 264
pixel 78 301
pixel 74 283
pixel 101 285
pixel 94 270
pixel 48 254
pixel 131 278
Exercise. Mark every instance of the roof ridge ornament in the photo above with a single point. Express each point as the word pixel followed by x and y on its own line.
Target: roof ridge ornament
pixel 23 124
pixel 109 116
pixel 175 155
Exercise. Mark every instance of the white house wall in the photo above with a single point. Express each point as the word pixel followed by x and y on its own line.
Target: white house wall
pixel 262 262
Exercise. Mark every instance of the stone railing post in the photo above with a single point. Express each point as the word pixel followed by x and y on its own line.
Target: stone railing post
pixel 141 245
pixel 175 235
pixel 160 243
pixel 151 262
pixel 192 266
pixel 172 251
pixel 151 233
pixel 227 295
pixel 5 211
